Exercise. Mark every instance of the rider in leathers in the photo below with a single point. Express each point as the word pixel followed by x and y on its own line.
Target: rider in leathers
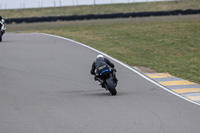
pixel 2 26
pixel 96 65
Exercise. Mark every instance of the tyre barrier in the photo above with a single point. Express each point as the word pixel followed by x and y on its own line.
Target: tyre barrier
pixel 101 16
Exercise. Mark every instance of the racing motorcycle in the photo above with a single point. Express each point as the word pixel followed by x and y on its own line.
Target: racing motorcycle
pixel 108 80
pixel 3 29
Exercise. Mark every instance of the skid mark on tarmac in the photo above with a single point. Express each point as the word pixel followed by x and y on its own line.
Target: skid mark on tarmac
pixel 180 86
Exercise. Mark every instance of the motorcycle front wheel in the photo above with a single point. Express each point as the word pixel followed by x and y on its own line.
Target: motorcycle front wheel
pixel 0 36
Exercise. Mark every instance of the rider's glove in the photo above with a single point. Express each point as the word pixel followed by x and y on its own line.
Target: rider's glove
pixel 114 70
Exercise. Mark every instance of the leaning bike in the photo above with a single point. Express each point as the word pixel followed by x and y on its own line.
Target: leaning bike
pixel 108 80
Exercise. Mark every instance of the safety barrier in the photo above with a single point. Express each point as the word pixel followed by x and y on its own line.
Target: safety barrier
pixel 102 16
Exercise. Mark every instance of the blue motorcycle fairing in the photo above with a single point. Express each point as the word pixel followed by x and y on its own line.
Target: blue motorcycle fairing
pixel 107 70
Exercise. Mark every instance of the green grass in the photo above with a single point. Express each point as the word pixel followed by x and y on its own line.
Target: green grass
pixel 166 44
pixel 102 9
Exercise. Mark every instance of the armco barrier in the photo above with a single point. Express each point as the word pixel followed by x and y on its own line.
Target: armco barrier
pixel 101 16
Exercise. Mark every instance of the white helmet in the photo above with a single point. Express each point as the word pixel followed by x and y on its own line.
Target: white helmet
pixel 100 55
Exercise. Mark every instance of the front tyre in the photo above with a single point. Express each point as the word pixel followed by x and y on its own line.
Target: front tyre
pixel 0 36
pixel 111 86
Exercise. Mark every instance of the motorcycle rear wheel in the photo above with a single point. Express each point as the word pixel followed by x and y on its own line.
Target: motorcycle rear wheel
pixel 111 86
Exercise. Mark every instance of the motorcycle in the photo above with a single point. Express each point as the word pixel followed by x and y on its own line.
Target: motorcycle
pixel 3 29
pixel 108 80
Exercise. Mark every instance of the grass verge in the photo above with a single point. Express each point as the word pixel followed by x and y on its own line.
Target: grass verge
pixel 165 44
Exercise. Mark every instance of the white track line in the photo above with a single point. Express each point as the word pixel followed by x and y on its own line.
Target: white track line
pixel 132 69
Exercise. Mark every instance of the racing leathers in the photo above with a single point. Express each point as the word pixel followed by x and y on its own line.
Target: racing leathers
pixel 101 64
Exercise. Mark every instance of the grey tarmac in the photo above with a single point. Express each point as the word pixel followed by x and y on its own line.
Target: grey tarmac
pixel 46 87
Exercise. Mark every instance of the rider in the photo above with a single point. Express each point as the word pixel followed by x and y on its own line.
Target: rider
pixel 2 26
pixel 97 65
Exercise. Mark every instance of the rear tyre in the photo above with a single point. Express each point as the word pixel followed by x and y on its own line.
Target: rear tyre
pixel 111 86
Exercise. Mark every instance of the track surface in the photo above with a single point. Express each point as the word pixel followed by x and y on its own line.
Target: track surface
pixel 46 87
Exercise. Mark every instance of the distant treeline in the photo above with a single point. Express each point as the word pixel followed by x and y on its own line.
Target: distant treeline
pixel 101 16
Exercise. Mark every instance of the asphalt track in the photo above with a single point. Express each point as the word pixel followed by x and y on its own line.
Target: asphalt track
pixel 46 87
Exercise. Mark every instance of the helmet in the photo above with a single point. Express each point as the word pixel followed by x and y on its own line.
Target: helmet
pixel 99 56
